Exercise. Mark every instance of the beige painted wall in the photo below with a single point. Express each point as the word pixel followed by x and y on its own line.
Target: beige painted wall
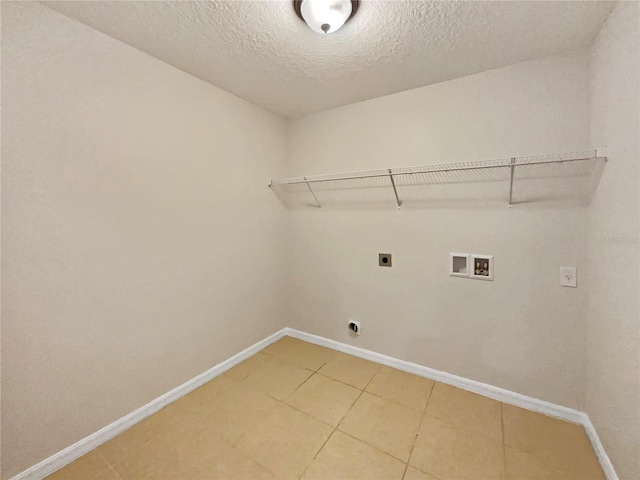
pixel 613 359
pixel 523 331
pixel 140 243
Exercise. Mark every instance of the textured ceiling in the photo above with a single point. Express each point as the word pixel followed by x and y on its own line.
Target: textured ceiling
pixel 261 51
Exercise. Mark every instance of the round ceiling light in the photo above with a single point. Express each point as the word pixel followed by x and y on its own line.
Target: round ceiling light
pixel 325 16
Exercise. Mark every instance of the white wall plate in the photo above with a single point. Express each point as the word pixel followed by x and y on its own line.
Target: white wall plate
pixel 481 267
pixel 459 265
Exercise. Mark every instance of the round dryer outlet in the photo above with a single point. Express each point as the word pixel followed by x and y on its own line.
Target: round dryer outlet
pixel 354 327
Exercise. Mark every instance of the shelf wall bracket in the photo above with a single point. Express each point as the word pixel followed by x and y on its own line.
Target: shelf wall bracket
pixel 513 167
pixel 395 190
pixel 314 195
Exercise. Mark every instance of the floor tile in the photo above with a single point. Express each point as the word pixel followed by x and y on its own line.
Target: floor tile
pixel 233 464
pixel 189 408
pixel 191 453
pixel 465 409
pixel 118 447
pixel 87 467
pixel 344 457
pixel 283 346
pixel 277 377
pixel 245 368
pixel 109 475
pixel 285 442
pixel 234 428
pixel 350 370
pixel 234 411
pixel 561 445
pixel 302 354
pixel 401 387
pixel 324 398
pixel 525 466
pixel 165 456
pixel 448 452
pixel 383 424
pixel 415 474
pixel 210 389
pixel 195 405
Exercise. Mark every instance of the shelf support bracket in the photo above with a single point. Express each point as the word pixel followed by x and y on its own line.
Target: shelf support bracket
pixel 513 162
pixel 314 195
pixel 395 190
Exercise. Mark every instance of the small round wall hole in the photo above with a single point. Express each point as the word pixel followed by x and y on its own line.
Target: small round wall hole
pixel 384 259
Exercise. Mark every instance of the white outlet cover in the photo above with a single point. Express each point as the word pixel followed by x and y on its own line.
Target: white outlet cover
pixel 568 277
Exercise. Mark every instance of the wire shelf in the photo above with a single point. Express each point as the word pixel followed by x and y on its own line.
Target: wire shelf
pixel 566 178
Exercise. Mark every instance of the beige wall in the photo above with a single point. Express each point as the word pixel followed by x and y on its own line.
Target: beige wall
pixel 613 360
pixel 140 243
pixel 523 331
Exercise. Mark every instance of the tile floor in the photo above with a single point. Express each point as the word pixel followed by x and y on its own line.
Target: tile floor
pixel 297 410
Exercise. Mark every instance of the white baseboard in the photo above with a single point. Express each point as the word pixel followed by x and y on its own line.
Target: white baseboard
pixel 603 458
pixel 73 452
pixel 497 393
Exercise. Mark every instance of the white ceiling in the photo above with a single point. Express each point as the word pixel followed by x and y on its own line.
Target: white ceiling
pixel 262 52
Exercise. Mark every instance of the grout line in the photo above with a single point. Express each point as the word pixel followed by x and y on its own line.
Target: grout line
pixel 308 415
pixel 364 390
pixel 406 465
pixel 341 420
pixel 401 405
pixel 463 429
pixel 340 381
pixel 99 455
pixel 285 404
pixel 116 473
pixel 296 389
pixel 288 362
pixel 432 475
pixel 346 385
pixel 372 446
pixel 255 388
pixel 433 387
pixel 460 427
pixel 128 451
pixel 415 439
pixel 363 441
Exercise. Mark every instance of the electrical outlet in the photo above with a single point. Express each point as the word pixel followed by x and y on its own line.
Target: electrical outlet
pixel 568 277
pixel 354 327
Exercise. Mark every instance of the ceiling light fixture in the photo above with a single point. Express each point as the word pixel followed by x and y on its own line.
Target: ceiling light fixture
pixel 325 16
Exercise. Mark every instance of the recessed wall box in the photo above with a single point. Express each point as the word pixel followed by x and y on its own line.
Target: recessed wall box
pixel 459 264
pixel 384 259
